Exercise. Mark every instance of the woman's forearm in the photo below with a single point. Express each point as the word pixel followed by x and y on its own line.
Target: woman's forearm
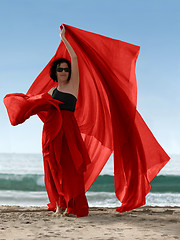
pixel 69 48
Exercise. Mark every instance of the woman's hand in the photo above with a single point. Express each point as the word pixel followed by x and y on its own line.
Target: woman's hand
pixel 62 31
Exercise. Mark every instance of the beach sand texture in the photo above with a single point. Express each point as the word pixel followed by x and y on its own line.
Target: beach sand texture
pixel 102 223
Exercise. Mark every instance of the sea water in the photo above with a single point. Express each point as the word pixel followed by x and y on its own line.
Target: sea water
pixel 22 183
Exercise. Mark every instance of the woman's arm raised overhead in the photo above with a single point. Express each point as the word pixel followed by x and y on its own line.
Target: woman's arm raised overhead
pixel 74 61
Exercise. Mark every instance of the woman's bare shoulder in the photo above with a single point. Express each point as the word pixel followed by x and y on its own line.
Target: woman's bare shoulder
pixel 51 90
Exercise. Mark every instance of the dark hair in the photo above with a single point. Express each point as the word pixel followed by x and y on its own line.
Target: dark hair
pixel 54 66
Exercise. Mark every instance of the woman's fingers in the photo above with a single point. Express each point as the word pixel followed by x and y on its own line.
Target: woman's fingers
pixel 62 31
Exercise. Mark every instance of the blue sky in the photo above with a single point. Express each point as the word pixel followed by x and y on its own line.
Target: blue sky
pixel 29 32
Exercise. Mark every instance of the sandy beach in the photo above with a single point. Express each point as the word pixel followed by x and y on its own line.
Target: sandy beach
pixel 102 223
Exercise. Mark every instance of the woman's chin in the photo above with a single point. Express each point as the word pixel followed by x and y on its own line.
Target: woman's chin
pixel 63 80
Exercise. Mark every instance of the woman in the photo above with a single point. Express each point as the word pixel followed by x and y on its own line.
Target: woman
pixel 105 116
pixel 72 199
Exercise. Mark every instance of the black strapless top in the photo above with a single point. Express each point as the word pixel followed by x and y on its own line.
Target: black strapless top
pixel 68 99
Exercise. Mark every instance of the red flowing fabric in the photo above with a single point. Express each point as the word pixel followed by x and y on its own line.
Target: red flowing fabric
pixel 106 117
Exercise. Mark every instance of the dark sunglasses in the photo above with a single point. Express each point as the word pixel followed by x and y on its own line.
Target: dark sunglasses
pixel 59 69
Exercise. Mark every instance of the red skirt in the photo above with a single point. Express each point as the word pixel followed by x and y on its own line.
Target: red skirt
pixel 64 165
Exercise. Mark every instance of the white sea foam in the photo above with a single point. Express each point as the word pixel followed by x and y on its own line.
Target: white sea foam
pixel 95 199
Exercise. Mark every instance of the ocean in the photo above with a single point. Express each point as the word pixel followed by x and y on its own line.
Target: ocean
pixel 22 183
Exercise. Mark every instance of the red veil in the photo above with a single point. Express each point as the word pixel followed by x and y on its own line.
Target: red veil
pixel 105 112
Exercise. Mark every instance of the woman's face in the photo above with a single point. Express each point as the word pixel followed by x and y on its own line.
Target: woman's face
pixel 62 75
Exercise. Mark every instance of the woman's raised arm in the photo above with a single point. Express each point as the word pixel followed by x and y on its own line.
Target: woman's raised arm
pixel 74 61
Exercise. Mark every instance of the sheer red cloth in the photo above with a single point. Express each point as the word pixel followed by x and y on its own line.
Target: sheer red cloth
pixel 106 118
